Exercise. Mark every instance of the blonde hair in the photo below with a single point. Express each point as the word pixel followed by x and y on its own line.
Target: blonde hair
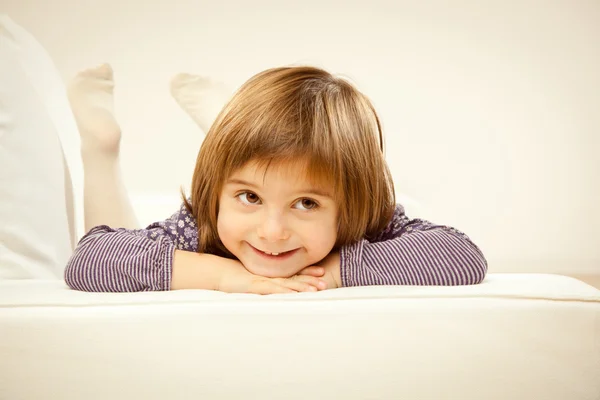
pixel 298 114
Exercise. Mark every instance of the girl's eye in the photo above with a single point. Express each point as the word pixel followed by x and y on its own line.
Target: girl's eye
pixel 248 198
pixel 306 204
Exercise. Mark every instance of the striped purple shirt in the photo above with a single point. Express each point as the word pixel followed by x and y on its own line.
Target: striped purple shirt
pixel 406 252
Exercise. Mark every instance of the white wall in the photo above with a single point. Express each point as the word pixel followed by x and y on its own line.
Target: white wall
pixel 491 108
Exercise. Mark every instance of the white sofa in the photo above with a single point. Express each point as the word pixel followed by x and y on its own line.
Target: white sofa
pixel 515 336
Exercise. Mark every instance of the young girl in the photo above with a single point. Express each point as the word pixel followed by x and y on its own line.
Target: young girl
pixel 290 193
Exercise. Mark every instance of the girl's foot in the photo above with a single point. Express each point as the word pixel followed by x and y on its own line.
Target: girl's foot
pixel 91 96
pixel 200 97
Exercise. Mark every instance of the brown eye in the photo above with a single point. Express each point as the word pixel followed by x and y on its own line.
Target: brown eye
pixel 248 198
pixel 306 204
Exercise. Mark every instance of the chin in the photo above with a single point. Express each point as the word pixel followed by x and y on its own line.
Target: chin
pixel 270 273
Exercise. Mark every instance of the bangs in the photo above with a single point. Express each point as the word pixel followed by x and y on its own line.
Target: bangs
pixel 318 175
pixel 287 131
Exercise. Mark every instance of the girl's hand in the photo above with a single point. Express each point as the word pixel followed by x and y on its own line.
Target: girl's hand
pixel 313 271
pixel 328 270
pixel 235 278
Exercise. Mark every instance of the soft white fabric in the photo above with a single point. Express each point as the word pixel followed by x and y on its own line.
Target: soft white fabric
pixel 512 337
pixel 40 212
pixel 152 207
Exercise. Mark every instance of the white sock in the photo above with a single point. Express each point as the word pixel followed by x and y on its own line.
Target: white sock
pixel 200 97
pixel 105 197
pixel 91 96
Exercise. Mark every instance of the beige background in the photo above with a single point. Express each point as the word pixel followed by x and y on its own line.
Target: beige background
pixel 491 109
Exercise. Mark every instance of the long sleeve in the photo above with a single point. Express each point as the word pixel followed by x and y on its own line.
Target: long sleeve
pixel 413 252
pixel 122 260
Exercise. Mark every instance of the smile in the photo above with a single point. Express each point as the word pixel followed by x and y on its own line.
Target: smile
pixel 274 256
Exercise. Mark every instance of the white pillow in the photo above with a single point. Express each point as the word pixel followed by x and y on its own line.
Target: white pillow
pixel 41 218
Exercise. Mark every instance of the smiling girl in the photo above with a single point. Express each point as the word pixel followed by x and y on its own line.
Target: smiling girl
pixel 290 193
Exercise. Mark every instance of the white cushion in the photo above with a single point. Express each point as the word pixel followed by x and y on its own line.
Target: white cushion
pixel 40 215
pixel 512 337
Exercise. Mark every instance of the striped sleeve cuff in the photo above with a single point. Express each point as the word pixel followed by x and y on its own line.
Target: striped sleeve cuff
pixel 350 260
pixel 168 249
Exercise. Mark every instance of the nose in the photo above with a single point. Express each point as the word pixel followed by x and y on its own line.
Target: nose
pixel 273 229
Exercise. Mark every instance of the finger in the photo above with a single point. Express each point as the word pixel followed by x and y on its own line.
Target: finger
pixel 311 280
pixel 313 271
pixel 305 283
pixel 270 287
pixel 296 284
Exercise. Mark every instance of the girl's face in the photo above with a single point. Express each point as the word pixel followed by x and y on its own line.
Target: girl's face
pixel 275 222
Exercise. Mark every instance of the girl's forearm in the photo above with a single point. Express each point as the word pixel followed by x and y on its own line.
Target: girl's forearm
pixel 193 270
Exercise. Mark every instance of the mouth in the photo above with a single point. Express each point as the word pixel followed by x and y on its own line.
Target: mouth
pixel 274 256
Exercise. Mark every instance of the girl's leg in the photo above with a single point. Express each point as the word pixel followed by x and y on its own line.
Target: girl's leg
pixel 200 97
pixel 105 198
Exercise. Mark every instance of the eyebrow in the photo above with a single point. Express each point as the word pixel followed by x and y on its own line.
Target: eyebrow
pixel 313 191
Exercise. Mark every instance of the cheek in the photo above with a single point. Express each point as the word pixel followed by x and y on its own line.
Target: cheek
pixel 322 236
pixel 227 229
